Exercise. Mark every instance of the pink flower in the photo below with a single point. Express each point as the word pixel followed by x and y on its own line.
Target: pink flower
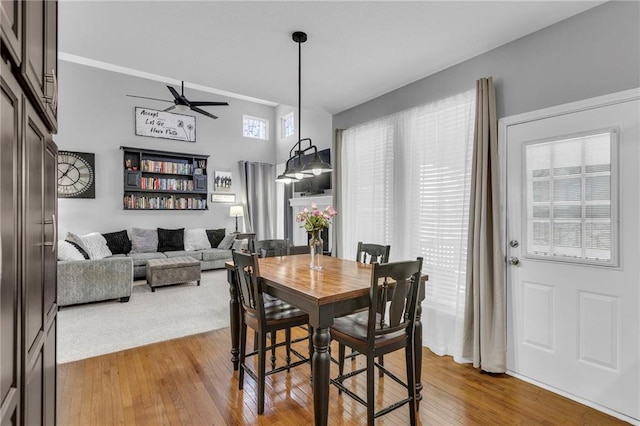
pixel 313 206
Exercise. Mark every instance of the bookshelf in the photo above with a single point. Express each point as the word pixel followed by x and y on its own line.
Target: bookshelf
pixel 163 180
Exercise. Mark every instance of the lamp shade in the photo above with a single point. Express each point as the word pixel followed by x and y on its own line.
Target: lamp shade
pixel 236 211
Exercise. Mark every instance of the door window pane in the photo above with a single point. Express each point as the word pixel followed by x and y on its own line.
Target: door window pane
pixel 568 185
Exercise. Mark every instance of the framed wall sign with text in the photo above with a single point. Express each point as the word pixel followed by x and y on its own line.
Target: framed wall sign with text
pixel 166 125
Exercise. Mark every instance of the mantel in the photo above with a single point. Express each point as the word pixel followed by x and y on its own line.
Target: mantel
pixel 320 200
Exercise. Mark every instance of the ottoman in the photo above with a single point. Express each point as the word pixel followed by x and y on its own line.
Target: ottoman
pixel 172 271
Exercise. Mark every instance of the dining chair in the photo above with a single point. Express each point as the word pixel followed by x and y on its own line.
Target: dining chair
pixel 269 248
pixel 385 327
pixel 376 253
pixel 299 250
pixel 263 316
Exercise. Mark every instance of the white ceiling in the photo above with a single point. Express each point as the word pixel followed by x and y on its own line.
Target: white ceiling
pixel 356 50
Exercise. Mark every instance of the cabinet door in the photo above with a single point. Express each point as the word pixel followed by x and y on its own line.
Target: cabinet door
pixel 40 61
pixel 131 179
pixel 10 329
pixel 50 255
pixel 200 183
pixel 11 28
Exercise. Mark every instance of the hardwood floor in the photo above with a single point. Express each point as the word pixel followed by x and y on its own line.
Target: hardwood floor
pixel 190 381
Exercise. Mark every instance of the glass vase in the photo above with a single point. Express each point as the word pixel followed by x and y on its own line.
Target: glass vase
pixel 315 250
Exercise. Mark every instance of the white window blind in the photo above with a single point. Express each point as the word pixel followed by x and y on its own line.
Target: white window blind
pixel 406 182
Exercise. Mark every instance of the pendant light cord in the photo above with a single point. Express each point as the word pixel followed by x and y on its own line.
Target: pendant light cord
pixel 299 90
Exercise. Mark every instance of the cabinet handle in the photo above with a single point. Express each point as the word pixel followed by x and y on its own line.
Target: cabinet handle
pixel 55 233
pixel 53 99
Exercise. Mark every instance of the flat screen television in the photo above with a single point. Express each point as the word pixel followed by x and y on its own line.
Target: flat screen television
pixel 317 184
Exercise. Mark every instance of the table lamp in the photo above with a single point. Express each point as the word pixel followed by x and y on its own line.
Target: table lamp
pixel 236 211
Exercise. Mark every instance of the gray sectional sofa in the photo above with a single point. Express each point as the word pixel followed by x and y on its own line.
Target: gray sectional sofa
pixel 111 277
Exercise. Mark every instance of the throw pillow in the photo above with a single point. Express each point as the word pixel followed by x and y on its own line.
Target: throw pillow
pixel 170 239
pixel 67 251
pixel 227 242
pixel 94 244
pixel 196 239
pixel 80 249
pixel 144 240
pixel 118 242
pixel 216 236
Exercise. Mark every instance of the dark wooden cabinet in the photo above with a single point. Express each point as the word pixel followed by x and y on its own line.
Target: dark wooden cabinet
pixel 161 180
pixel 39 66
pixel 28 212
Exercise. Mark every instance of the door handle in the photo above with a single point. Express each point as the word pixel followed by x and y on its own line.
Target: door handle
pixel 514 261
pixel 55 233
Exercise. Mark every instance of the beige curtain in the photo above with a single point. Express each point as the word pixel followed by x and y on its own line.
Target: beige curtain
pixel 484 336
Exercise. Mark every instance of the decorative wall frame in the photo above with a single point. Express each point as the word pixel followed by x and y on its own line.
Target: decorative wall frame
pixel 222 181
pixel 223 198
pixel 165 125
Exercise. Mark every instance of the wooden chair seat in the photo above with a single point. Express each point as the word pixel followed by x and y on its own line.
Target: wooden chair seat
pixel 354 328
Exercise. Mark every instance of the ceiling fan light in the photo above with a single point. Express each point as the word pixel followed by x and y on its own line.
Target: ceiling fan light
pixel 181 109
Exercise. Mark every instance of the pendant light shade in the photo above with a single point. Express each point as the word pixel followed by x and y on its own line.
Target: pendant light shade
pixel 295 168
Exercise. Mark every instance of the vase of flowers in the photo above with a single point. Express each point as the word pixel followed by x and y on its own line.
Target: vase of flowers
pixel 314 221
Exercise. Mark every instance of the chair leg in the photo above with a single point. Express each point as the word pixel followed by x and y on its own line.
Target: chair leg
pixel 353 355
pixel 311 351
pixel 381 362
pixel 411 383
pixel 262 344
pixel 243 352
pixel 371 402
pixel 274 340
pixel 287 339
pixel 340 363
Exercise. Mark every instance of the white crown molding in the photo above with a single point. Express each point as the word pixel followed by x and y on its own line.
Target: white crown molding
pixel 81 60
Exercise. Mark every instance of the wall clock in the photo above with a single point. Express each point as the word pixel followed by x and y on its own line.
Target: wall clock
pixel 76 175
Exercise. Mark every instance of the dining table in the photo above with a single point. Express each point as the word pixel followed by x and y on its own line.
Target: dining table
pixel 341 287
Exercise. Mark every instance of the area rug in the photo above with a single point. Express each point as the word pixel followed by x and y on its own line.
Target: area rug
pixel 173 311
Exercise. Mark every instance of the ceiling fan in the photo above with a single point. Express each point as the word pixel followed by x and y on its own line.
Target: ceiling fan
pixel 181 100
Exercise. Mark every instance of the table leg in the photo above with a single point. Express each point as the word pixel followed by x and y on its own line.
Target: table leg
pixel 234 318
pixel 418 355
pixel 320 365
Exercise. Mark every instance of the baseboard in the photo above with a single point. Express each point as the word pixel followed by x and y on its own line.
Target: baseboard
pixel 576 398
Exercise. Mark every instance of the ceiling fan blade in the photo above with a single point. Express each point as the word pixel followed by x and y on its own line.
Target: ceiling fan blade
pixel 145 97
pixel 169 109
pixel 206 103
pixel 175 93
pixel 203 112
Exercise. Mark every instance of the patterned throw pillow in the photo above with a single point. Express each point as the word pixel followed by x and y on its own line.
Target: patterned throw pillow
pixel 144 240
pixel 227 242
pixel 94 244
pixel 118 242
pixel 216 236
pixel 68 251
pixel 196 239
pixel 170 239
pixel 80 249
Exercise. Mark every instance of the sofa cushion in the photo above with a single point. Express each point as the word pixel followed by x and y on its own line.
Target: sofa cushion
pixel 140 259
pixel 144 240
pixel 80 249
pixel 183 253
pixel 227 242
pixel 94 244
pixel 170 239
pixel 215 254
pixel 216 236
pixel 68 251
pixel 118 242
pixel 196 239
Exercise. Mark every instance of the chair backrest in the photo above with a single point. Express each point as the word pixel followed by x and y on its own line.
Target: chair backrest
pixel 393 296
pixel 269 248
pixel 377 253
pixel 249 282
pixel 299 250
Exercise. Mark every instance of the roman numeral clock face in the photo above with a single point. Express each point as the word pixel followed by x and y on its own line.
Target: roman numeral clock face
pixel 76 175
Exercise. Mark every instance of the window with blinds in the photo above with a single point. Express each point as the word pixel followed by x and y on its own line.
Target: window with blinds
pixel 570 191
pixel 406 182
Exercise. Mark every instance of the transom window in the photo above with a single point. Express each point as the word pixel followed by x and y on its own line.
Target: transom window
pixel 254 127
pixel 288 125
pixel 570 198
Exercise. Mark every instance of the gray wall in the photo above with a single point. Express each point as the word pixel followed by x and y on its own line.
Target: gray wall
pixel 315 125
pixel 96 116
pixel 591 54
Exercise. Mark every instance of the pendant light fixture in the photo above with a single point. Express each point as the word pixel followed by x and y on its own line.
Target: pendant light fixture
pixel 295 167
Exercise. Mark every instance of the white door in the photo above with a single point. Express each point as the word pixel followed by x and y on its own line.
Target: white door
pixel 573 227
